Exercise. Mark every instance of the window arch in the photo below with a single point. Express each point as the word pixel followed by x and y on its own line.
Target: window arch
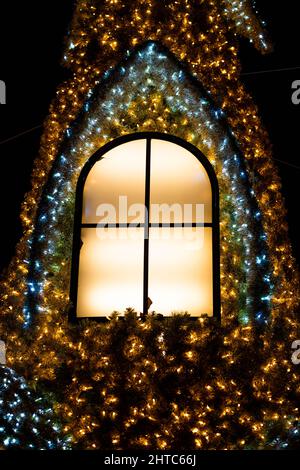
pixel 146 230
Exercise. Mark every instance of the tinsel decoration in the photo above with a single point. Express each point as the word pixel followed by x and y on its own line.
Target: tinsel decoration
pixel 163 383
pixel 27 421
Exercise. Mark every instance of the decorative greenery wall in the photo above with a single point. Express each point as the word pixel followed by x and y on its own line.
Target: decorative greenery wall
pixel 173 383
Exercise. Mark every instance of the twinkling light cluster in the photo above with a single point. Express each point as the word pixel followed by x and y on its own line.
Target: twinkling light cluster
pixel 26 421
pixel 152 81
pixel 240 12
pixel 169 67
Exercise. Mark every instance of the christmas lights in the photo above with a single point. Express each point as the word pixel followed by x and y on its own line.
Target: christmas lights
pixel 170 67
pixel 26 420
pixel 162 91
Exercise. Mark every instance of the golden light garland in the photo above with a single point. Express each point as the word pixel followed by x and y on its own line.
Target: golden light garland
pixel 231 358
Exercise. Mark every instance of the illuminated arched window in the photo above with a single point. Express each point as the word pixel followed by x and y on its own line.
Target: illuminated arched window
pixel 146 230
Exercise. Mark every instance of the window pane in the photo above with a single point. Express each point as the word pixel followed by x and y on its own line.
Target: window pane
pixel 181 270
pixel 110 271
pixel 121 172
pixel 177 177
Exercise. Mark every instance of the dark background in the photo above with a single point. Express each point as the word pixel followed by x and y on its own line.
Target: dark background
pixel 31 45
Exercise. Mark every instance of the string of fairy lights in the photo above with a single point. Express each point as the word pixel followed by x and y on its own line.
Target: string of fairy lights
pixel 241 13
pixel 197 122
pixel 23 413
pixel 133 384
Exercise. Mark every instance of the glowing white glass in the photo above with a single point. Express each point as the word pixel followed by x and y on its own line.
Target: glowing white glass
pixel 111 263
pixel 177 177
pixel 110 272
pixel 181 270
pixel 121 172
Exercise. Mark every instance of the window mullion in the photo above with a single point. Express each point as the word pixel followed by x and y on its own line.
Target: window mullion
pixel 146 228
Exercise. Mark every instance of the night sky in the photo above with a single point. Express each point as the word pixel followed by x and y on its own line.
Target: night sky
pixel 31 45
